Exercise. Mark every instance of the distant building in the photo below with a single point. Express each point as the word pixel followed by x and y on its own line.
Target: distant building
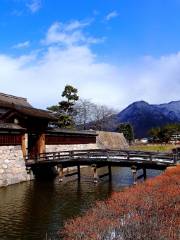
pixel 175 138
pixel 144 140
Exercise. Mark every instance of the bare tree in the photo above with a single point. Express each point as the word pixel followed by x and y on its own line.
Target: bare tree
pixel 94 116
pixel 84 109
pixel 104 117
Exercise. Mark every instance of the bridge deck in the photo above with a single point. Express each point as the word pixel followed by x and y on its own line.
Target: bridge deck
pixel 101 157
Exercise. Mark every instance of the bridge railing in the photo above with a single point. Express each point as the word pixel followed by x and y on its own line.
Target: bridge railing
pixel 106 154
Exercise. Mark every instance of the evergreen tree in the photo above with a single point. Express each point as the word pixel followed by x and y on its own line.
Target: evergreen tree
pixel 65 110
pixel 164 133
pixel 127 130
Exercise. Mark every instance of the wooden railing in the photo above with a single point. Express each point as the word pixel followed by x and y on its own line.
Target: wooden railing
pixel 108 155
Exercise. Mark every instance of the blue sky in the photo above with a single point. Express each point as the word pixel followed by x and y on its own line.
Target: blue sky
pixel 127 49
pixel 140 27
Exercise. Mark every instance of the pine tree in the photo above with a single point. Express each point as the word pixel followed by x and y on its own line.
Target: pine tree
pixel 65 110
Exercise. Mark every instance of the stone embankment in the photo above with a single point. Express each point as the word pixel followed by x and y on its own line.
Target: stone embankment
pixel 12 166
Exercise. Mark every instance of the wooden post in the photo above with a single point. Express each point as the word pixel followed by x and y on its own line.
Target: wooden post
pixel 107 155
pixel 110 173
pixel 95 174
pixel 175 156
pixel 144 173
pixel 23 145
pixel 61 173
pixel 79 172
pixel 134 172
pixel 41 143
pixel 71 154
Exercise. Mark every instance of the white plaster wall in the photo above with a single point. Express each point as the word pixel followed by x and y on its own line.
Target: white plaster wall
pixel 71 147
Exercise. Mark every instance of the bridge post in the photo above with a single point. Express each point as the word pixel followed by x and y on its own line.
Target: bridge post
pixel 134 173
pixel 71 153
pixel 30 172
pixel 144 173
pixel 110 173
pixel 175 157
pixel 128 156
pixel 107 155
pixel 95 174
pixel 61 173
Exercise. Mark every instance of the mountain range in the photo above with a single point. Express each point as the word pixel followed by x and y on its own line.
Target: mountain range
pixel 144 116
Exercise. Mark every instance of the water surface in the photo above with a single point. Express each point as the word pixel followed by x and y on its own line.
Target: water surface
pixel 36 209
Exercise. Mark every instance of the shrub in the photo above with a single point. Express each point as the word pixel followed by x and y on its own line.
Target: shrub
pixel 149 210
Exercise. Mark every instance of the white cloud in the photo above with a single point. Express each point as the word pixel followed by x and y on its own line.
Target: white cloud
pixel 25 44
pixel 42 77
pixel 111 15
pixel 34 5
pixel 69 34
pixel 73 25
pixel 17 13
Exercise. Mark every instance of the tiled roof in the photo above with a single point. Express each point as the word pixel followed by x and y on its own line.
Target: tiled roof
pixel 14 100
pixel 34 112
pixel 22 106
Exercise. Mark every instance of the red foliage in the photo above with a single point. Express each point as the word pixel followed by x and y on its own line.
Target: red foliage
pixel 150 210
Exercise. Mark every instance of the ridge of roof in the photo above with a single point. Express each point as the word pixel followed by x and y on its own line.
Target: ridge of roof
pixel 71 131
pixel 31 111
pixel 12 96
pixel 11 99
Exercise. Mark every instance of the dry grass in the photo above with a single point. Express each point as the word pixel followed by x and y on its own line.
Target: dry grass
pixel 111 140
pixel 153 147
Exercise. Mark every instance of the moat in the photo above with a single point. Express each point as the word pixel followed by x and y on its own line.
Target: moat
pixel 38 209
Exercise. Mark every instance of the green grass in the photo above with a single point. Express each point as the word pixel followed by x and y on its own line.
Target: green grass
pixel 153 147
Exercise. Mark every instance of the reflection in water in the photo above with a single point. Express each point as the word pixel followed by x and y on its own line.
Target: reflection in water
pixel 32 209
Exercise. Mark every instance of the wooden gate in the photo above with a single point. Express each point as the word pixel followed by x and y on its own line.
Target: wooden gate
pixel 36 144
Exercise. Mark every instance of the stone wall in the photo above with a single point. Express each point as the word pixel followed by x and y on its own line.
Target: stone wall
pixel 12 166
pixel 57 148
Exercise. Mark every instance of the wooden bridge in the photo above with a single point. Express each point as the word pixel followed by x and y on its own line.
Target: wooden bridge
pixel 136 160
